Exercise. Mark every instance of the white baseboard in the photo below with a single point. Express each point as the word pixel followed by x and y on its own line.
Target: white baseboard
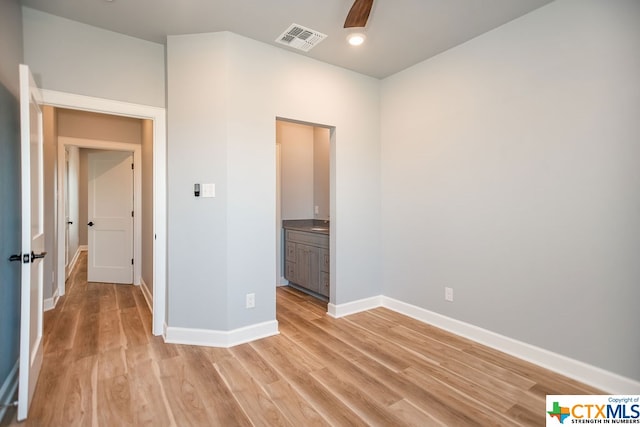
pixel 282 281
pixel 148 297
pixel 50 303
pixel 580 371
pixel 353 307
pixel 225 339
pixel 74 260
pixel 8 389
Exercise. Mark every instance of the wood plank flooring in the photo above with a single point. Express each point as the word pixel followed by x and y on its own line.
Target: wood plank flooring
pixel 102 367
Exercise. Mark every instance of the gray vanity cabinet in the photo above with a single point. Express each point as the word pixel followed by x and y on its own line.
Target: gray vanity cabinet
pixel 307 260
pixel 324 272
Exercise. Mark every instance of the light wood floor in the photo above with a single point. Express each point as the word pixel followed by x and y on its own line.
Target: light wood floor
pixel 102 367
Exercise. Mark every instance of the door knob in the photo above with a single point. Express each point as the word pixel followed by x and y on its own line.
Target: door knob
pixel 90 224
pixel 69 222
pixel 37 256
pixel 17 257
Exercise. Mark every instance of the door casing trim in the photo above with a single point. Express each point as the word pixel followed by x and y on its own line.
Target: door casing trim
pixel 158 116
pixel 136 150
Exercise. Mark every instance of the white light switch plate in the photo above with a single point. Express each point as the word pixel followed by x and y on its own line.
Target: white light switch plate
pixel 448 294
pixel 208 190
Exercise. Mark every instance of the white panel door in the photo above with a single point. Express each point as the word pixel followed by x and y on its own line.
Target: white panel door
pixel 110 217
pixel 31 306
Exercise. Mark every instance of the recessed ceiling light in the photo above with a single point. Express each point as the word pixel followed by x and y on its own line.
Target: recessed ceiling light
pixel 356 39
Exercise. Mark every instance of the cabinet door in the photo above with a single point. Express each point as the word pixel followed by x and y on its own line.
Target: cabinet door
pixel 324 260
pixel 290 271
pixel 324 284
pixel 314 268
pixel 290 251
pixel 290 262
pixel 308 267
pixel 302 266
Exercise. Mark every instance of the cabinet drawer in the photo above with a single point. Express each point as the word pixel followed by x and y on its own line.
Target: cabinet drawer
pixel 324 260
pixel 290 251
pixel 313 239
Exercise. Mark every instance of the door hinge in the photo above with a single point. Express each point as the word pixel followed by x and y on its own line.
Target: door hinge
pixel 131 261
pixel 131 165
pixel 131 214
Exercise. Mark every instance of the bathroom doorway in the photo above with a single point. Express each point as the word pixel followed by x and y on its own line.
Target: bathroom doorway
pixel 303 194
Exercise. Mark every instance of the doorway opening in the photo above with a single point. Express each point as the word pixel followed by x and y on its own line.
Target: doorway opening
pixel 304 202
pixel 102 192
pixel 156 120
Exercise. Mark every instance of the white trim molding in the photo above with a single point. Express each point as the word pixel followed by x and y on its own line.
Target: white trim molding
pixel 148 297
pixel 225 339
pixel 8 389
pixel 353 307
pixel 136 149
pixel 580 371
pixel 282 281
pixel 50 303
pixel 74 260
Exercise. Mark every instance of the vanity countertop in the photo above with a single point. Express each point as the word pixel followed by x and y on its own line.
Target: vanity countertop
pixel 308 225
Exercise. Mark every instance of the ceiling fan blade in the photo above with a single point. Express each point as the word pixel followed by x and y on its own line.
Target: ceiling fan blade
pixel 359 14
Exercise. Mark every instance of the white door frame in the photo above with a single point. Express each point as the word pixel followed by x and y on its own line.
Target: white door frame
pixel 136 149
pixel 158 117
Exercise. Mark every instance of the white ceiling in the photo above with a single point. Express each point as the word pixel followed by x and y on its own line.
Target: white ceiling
pixel 400 33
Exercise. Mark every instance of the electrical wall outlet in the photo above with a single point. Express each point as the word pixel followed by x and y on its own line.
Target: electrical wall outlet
pixel 448 294
pixel 251 300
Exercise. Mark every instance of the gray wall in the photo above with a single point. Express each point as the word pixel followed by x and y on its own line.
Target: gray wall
pixel 74 202
pixel 321 172
pixel 510 172
pixel 11 54
pixel 103 127
pixel 296 141
pixel 50 167
pixel 96 62
pixel 224 94
pixel 10 44
pixel 83 196
pixel 196 153
pixel 147 204
pixel 305 170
